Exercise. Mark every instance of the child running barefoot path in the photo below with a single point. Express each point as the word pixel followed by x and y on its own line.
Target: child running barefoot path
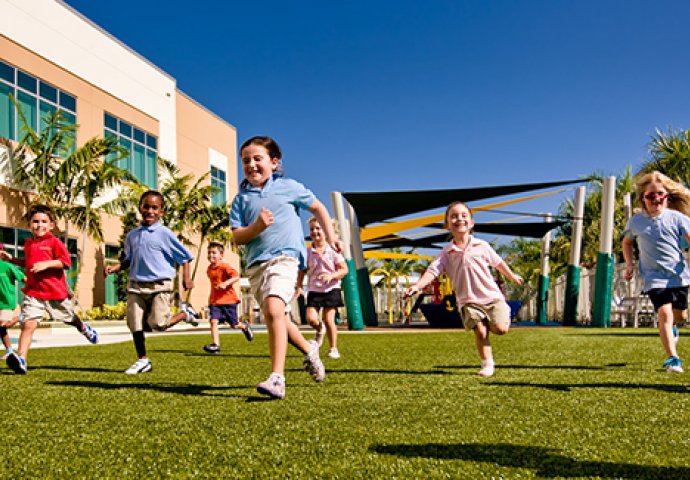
pixel 151 253
pixel 45 260
pixel 659 229
pixel 264 217
pixel 466 261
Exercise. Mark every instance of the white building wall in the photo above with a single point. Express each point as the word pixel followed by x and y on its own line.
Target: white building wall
pixel 55 31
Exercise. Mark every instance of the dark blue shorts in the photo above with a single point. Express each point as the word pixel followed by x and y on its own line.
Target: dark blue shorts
pixel 331 299
pixel 676 296
pixel 224 313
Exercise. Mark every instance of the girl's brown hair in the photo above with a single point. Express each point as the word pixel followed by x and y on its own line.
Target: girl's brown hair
pixel 678 195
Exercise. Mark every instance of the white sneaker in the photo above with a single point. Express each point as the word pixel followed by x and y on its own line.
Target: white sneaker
pixel 487 369
pixel 142 365
pixel 318 338
pixel 313 364
pixel 334 353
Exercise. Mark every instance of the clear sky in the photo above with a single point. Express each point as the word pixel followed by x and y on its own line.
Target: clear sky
pixel 377 95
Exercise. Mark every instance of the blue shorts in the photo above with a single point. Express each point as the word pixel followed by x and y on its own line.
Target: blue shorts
pixel 224 313
pixel 676 296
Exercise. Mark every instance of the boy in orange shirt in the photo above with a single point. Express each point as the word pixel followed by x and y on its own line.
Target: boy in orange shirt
pixel 222 302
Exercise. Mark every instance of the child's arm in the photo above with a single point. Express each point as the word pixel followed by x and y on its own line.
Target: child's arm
pixel 627 248
pixel 20 262
pixel 423 281
pixel 47 264
pixel 321 214
pixel 300 281
pixel 187 282
pixel 244 235
pixel 505 270
pixel 228 283
pixel 340 272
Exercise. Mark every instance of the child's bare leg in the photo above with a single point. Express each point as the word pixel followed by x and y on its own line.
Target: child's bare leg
pixel 313 318
pixel 331 327
pixel 215 335
pixel 26 336
pixel 481 340
pixel 276 321
pixel 177 318
pixel 499 329
pixel 665 322
pixel 296 337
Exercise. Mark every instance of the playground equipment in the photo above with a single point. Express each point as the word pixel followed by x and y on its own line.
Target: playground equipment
pixel 390 276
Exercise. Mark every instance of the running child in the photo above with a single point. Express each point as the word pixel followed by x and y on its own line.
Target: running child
pixel 264 217
pixel 45 291
pixel 222 303
pixel 660 229
pixel 325 269
pixel 151 252
pixel 467 261
pixel 9 276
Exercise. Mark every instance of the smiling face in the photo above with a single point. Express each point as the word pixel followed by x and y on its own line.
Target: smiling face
pixel 214 255
pixel 459 220
pixel 40 224
pixel 655 198
pixel 257 164
pixel 151 209
pixel 316 234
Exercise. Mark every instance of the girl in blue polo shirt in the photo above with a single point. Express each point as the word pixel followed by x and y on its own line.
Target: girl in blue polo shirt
pixel 660 229
pixel 265 218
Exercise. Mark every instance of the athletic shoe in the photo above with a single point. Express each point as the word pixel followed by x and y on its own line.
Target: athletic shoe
pixel 673 365
pixel 676 335
pixel 274 387
pixel 313 364
pixel 212 348
pixel 320 333
pixel 7 354
pixel 334 353
pixel 142 365
pixel 248 333
pixel 487 369
pixel 192 315
pixel 16 363
pixel 90 333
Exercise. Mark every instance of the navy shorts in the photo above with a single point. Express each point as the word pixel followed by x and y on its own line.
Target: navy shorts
pixel 332 298
pixel 676 296
pixel 224 313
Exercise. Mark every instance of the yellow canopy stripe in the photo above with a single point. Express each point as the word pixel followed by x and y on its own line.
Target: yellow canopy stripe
pixel 378 254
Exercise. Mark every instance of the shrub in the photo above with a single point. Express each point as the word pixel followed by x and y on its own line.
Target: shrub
pixel 109 312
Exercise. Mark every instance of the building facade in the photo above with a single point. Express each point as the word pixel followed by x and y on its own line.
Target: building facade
pixel 52 57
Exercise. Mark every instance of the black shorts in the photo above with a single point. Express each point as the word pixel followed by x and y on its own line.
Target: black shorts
pixel 676 296
pixel 332 298
pixel 224 313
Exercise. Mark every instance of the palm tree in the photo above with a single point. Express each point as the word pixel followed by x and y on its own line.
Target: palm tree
pixel 670 154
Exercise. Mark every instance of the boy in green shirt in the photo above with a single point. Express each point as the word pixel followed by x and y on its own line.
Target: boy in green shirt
pixel 9 275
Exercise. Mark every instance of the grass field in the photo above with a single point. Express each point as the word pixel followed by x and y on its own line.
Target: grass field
pixel 564 403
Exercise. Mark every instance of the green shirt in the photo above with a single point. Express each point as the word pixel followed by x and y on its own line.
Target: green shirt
pixel 9 275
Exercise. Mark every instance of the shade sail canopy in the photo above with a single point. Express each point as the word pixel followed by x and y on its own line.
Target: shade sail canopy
pixel 374 207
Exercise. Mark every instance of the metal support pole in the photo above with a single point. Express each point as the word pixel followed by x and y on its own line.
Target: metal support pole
pixel 603 281
pixel 572 284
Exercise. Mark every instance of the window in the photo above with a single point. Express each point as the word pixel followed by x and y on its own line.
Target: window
pixel 142 159
pixel 35 98
pixel 218 181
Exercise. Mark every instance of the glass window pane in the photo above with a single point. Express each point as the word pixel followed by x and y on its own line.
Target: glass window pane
pixel 138 160
pixel 125 163
pixel 72 246
pixel 29 108
pixel 221 175
pixel 110 122
pixel 151 142
pixel 125 129
pixel 27 82
pixel 7 72
pixel 139 136
pixel 46 111
pixel 151 169
pixel 23 235
pixel 68 102
pixel 7 236
pixel 48 92
pixel 6 112
pixel 112 252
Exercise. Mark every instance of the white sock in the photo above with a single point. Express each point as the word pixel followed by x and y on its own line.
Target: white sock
pixel 278 376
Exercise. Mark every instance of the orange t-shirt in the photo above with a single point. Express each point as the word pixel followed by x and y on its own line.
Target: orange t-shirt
pixel 218 274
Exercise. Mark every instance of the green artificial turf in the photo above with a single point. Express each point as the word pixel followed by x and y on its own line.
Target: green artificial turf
pixel 564 403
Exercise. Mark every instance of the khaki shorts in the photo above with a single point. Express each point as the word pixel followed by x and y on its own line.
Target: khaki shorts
pixel 274 278
pixel 6 315
pixel 496 313
pixel 36 309
pixel 149 302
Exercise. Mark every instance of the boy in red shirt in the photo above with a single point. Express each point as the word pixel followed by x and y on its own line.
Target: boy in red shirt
pixel 45 291
pixel 222 302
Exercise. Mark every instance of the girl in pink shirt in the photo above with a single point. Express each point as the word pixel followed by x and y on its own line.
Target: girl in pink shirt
pixel 325 268
pixel 467 261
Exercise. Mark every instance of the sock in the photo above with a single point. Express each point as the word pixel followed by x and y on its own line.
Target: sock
pixel 9 349
pixel 489 361
pixel 279 376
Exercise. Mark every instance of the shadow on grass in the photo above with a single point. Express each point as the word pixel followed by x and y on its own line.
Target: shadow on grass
pixel 547 462
pixel 569 387
pixel 655 333
pixel 539 367
pixel 334 371
pixel 76 369
pixel 176 388
pixel 194 353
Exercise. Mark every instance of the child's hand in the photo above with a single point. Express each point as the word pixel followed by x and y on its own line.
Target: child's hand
pixel 337 246
pixel 413 290
pixel 517 279
pixel 40 266
pixel 298 293
pixel 265 219
pixel 109 269
pixel 5 256
pixel 224 285
pixel 325 277
pixel 629 270
pixel 188 283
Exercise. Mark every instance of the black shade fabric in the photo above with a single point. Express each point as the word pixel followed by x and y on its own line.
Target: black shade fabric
pixel 531 230
pixel 372 207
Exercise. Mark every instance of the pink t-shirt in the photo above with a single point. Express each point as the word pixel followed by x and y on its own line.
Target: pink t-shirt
pixel 325 263
pixel 469 271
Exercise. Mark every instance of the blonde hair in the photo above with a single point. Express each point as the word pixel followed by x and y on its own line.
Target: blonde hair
pixel 335 225
pixel 678 195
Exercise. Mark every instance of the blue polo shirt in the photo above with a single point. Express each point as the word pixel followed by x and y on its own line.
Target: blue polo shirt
pixel 283 197
pixel 659 240
pixel 153 251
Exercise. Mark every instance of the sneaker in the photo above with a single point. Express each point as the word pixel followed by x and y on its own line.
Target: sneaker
pixel 673 365
pixel 16 363
pixel 192 315
pixel 320 333
pixel 142 365
pixel 676 335
pixel 274 387
pixel 334 353
pixel 212 348
pixel 313 364
pixel 487 369
pixel 248 333
pixel 90 333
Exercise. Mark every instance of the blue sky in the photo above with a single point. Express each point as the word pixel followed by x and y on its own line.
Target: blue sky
pixel 412 95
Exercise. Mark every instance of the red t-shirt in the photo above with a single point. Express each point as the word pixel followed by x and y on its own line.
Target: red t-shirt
pixel 50 284
pixel 218 274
